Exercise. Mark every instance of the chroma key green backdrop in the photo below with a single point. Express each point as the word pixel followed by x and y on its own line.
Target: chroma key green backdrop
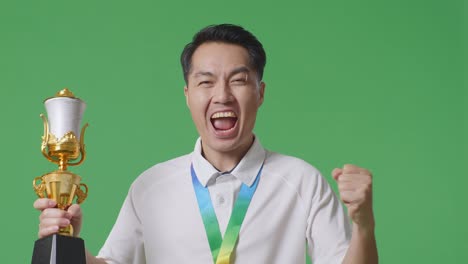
pixel 376 83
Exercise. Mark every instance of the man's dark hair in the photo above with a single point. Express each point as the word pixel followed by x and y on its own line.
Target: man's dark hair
pixel 225 33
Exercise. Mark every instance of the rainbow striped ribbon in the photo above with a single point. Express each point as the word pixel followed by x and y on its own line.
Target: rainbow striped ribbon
pixel 221 249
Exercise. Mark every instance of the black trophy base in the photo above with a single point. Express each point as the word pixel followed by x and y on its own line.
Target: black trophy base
pixel 57 249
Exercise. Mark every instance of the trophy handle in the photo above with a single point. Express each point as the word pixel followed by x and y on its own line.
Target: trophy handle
pixel 45 139
pixel 39 188
pixel 82 147
pixel 81 196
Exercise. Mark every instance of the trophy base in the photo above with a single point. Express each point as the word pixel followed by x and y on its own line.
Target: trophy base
pixel 57 249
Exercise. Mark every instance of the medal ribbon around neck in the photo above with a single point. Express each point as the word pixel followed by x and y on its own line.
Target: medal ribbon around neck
pixel 221 249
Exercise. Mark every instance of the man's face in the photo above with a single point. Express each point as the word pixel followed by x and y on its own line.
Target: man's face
pixel 223 94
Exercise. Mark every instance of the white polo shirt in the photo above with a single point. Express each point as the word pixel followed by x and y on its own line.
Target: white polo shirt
pixel 160 222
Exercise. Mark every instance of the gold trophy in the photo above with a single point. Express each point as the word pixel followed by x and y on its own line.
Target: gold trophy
pixel 63 144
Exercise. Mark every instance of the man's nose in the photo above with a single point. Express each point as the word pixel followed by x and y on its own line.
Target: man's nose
pixel 222 93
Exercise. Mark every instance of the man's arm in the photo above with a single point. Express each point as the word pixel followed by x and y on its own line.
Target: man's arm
pixel 363 247
pixel 355 187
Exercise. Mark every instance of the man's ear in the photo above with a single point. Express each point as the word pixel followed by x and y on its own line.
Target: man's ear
pixel 261 92
pixel 186 96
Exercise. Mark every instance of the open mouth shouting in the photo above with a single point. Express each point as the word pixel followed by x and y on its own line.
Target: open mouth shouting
pixel 224 123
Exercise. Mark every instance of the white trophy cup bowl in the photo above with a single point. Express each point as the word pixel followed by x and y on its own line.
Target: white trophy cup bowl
pixel 64 114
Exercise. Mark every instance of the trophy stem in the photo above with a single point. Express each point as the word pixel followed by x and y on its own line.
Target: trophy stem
pixel 63 164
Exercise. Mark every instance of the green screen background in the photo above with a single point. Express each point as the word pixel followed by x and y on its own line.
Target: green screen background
pixel 378 84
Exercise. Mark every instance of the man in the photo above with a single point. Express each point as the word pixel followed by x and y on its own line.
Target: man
pixel 232 201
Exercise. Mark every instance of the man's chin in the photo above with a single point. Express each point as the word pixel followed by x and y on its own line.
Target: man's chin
pixel 223 144
pixel 228 145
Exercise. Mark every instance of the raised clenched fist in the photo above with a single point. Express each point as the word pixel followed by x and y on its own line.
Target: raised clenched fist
pixel 355 188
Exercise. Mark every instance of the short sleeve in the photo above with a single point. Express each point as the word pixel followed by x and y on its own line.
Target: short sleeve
pixel 328 226
pixel 124 245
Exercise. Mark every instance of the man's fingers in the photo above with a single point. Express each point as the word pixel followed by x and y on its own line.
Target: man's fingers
pixel 336 173
pixel 54 213
pixel 75 211
pixel 43 232
pixel 52 219
pixel 347 186
pixel 44 203
pixel 352 197
pixel 48 222
pixel 349 170
pixel 355 178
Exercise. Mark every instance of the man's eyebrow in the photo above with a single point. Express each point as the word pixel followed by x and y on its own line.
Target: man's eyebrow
pixel 203 73
pixel 241 69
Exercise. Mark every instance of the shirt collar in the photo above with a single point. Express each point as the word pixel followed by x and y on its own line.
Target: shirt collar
pixel 246 170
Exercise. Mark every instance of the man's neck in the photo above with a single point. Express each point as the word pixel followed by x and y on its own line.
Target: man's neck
pixel 226 161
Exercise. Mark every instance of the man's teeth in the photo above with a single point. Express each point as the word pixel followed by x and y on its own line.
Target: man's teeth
pixel 223 114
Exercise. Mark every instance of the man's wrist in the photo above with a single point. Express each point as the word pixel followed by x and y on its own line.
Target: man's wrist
pixel 365 230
